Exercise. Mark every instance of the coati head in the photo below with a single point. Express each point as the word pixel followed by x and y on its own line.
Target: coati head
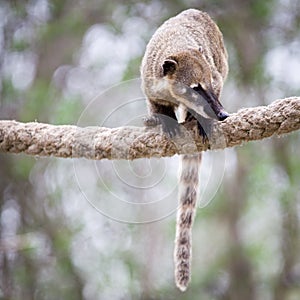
pixel 192 69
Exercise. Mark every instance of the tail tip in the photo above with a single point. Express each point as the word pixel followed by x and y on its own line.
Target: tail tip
pixel 182 283
pixel 181 287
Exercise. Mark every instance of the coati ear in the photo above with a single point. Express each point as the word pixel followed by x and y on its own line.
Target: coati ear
pixel 169 66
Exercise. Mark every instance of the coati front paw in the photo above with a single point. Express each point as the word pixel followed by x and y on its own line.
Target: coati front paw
pixel 203 125
pixel 151 121
pixel 169 126
pixel 202 132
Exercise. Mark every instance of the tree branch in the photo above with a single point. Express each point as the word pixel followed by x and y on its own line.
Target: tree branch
pixel 248 124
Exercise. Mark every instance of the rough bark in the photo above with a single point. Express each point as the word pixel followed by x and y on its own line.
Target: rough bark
pixel 248 124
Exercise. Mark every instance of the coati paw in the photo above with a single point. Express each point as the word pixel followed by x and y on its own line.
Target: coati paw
pixel 169 126
pixel 151 121
pixel 203 125
pixel 202 132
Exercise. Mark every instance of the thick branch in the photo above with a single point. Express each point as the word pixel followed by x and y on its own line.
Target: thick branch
pixel 248 124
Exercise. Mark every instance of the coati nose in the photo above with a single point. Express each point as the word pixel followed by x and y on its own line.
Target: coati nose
pixel 222 115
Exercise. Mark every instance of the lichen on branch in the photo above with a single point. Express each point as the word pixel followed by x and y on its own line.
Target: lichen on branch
pixel 248 124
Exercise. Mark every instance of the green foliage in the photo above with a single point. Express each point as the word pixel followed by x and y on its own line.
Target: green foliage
pixel 57 7
pixel 262 10
pixel 67 111
pixel 37 103
pixel 133 69
pixel 20 46
pixel 72 25
pixel 8 91
pixel 22 167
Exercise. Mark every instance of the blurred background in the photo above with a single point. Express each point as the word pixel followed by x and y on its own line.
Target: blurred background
pixel 76 229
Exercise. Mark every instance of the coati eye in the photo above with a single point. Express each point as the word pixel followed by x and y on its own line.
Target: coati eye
pixel 200 49
pixel 169 66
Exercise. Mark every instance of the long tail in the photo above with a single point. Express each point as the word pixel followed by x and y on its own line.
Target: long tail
pixel 188 191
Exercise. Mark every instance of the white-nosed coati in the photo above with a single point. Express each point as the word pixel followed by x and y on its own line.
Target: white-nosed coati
pixel 183 71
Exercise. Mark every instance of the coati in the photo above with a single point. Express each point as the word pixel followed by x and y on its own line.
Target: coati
pixel 183 71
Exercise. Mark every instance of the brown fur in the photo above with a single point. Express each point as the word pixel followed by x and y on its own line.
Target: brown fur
pixel 195 42
pixel 186 52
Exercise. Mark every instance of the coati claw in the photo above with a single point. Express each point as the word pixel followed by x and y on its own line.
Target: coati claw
pixel 169 126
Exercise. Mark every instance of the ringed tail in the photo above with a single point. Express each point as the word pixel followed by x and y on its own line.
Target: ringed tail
pixel 188 192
